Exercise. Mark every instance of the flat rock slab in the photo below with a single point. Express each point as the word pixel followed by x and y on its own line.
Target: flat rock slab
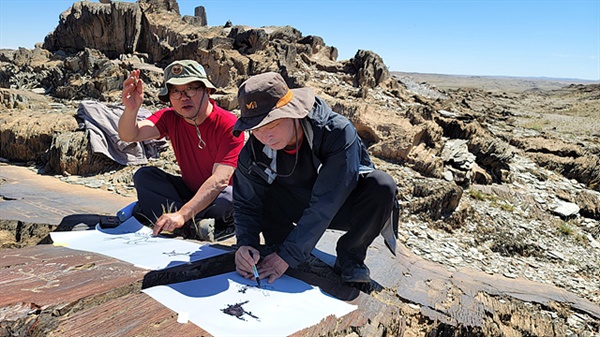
pixel 30 197
pixel 42 283
pixel 48 276
pixel 127 316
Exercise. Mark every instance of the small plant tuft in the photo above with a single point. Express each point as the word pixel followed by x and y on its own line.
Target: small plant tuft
pixel 565 229
pixel 477 194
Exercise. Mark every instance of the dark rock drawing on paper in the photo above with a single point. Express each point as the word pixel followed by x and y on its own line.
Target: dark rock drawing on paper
pixel 238 311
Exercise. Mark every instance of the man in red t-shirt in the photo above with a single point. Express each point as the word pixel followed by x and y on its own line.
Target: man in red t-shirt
pixel 204 146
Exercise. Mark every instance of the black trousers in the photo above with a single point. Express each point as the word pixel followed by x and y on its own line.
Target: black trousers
pixel 160 192
pixel 362 216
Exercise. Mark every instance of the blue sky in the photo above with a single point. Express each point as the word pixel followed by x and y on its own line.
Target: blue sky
pixel 526 38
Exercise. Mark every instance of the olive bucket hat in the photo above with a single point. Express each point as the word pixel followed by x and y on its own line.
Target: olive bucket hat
pixel 183 72
pixel 266 97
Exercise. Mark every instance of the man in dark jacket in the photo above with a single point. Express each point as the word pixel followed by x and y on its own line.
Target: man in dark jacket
pixel 304 169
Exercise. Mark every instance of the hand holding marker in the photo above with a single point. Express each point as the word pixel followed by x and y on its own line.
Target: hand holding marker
pixel 255 271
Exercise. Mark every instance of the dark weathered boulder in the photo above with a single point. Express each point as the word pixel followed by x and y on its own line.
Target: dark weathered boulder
pixel 112 28
pixel 589 204
pixel 71 153
pixel 27 135
pixel 492 154
pixel 369 69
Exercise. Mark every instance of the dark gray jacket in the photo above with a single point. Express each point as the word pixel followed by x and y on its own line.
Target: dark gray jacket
pixel 339 155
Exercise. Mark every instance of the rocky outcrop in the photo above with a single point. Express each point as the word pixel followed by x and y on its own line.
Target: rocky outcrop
pixel 113 28
pixel 71 153
pixel 76 63
pixel 568 159
pixel 370 69
pixel 27 135
pixel 584 169
pixel 156 33
pixel 437 198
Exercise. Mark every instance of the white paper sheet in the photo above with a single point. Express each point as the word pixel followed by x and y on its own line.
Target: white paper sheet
pixel 134 243
pixel 278 309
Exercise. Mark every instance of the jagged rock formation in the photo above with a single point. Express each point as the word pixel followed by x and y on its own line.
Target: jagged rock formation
pixel 461 161
pixel 112 28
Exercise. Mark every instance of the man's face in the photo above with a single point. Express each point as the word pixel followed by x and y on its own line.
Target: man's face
pixel 277 134
pixel 186 99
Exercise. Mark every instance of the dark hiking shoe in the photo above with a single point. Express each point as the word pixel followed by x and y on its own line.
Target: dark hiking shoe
pixel 352 271
pixel 224 229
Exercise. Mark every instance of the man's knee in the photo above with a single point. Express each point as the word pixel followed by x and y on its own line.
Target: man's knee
pixel 381 185
pixel 223 204
pixel 145 174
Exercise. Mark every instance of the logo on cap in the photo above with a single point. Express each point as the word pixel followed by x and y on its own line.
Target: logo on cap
pixel 177 69
pixel 251 105
pixel 201 70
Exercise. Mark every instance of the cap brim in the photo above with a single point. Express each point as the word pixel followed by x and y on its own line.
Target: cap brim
pixel 163 95
pixel 298 107
pixel 183 80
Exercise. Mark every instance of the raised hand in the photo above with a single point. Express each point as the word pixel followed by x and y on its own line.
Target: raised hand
pixel 133 91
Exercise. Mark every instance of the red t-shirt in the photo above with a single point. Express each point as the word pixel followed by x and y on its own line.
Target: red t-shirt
pixel 221 147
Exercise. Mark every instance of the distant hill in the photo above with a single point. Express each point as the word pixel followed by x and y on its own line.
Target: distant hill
pixel 491 83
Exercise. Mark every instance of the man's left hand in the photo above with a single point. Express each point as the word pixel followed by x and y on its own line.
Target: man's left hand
pixel 272 266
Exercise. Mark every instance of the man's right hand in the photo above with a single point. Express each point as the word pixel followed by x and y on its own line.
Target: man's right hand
pixel 168 222
pixel 133 91
pixel 245 258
